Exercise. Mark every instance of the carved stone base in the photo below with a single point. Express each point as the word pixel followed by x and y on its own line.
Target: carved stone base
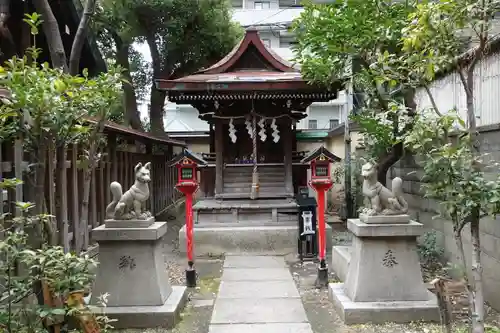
pixel 111 223
pixel 383 280
pixel 131 266
pixel 384 219
pixel 384 263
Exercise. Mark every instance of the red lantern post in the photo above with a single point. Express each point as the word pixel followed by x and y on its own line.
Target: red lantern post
pixel 187 184
pixel 320 161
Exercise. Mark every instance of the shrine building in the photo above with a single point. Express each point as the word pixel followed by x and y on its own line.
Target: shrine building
pixel 252 100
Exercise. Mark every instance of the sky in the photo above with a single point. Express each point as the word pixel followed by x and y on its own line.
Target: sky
pixel 144 50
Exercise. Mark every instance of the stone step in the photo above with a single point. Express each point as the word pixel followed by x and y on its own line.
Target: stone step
pixel 260 217
pixel 261 195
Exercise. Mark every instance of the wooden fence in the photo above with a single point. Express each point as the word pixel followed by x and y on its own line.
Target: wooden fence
pixel 123 152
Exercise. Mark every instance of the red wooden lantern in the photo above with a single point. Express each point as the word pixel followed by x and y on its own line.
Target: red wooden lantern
pixel 187 182
pixel 320 161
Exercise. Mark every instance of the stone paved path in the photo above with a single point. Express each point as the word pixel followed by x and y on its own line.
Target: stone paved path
pixel 258 294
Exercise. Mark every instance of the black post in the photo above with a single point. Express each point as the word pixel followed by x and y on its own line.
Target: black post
pixel 190 275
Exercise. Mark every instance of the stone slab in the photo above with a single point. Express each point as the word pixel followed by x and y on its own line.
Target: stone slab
pixel 361 229
pixel 256 274
pixel 164 316
pixel 154 232
pixel 254 311
pixel 278 238
pixel 112 223
pixel 133 273
pixel 341 255
pixel 384 269
pixel 258 289
pixel 261 328
pixel 385 219
pixel 353 313
pixel 254 262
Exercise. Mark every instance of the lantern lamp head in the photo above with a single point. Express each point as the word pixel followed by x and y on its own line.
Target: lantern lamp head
pixel 320 161
pixel 187 164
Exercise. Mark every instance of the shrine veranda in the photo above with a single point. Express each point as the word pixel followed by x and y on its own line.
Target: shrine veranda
pixel 252 100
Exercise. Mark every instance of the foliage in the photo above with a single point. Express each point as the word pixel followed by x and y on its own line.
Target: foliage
pixel 54 104
pixel 451 173
pixel 361 41
pixel 183 36
pixel 338 176
pixel 430 252
pixel 63 272
pixel 382 130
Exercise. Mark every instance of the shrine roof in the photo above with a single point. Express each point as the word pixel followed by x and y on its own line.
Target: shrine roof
pixel 321 151
pixel 186 153
pixel 249 66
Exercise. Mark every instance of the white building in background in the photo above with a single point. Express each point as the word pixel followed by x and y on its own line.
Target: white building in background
pixel 272 18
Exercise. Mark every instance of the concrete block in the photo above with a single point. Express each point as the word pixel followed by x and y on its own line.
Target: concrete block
pixel 384 219
pixel 384 269
pixel 154 232
pixel 261 328
pixel 361 229
pixel 254 262
pixel 166 315
pixel 132 271
pixel 258 289
pixel 353 313
pixel 341 255
pixel 255 311
pixel 218 239
pixel 255 274
pixel 111 223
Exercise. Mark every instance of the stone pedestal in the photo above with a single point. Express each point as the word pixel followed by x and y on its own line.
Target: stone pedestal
pixel 384 281
pixel 132 271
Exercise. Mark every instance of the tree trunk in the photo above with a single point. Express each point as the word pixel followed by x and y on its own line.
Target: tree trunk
pixel 457 232
pixel 386 162
pixel 52 34
pixel 80 36
pixel 87 177
pixel 477 271
pixel 156 111
pixel 7 44
pixel 131 115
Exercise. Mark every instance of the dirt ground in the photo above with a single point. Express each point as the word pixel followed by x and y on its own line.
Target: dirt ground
pixel 196 316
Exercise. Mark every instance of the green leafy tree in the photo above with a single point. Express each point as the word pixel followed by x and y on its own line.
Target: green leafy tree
pixel 183 37
pixel 435 37
pixel 361 41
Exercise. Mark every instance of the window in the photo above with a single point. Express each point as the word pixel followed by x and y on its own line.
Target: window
pixel 261 5
pixel 312 124
pixel 334 123
pixel 266 42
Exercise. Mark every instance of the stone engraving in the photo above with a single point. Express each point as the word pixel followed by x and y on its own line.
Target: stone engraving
pixel 131 204
pixel 389 259
pixel 380 200
pixel 126 261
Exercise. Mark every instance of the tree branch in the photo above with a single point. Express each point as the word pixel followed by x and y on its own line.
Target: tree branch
pixel 80 36
pixel 52 34
pixel 433 101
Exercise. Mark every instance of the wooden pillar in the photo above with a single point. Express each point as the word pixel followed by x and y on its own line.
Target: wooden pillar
pixel 219 158
pixel 286 136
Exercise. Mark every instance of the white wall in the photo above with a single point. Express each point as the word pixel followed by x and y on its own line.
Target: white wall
pixel 449 93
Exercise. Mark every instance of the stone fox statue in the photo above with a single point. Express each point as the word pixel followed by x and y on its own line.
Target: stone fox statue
pixel 382 200
pixel 131 204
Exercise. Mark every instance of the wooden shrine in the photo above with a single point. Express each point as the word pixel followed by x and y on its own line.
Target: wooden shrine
pixel 252 100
